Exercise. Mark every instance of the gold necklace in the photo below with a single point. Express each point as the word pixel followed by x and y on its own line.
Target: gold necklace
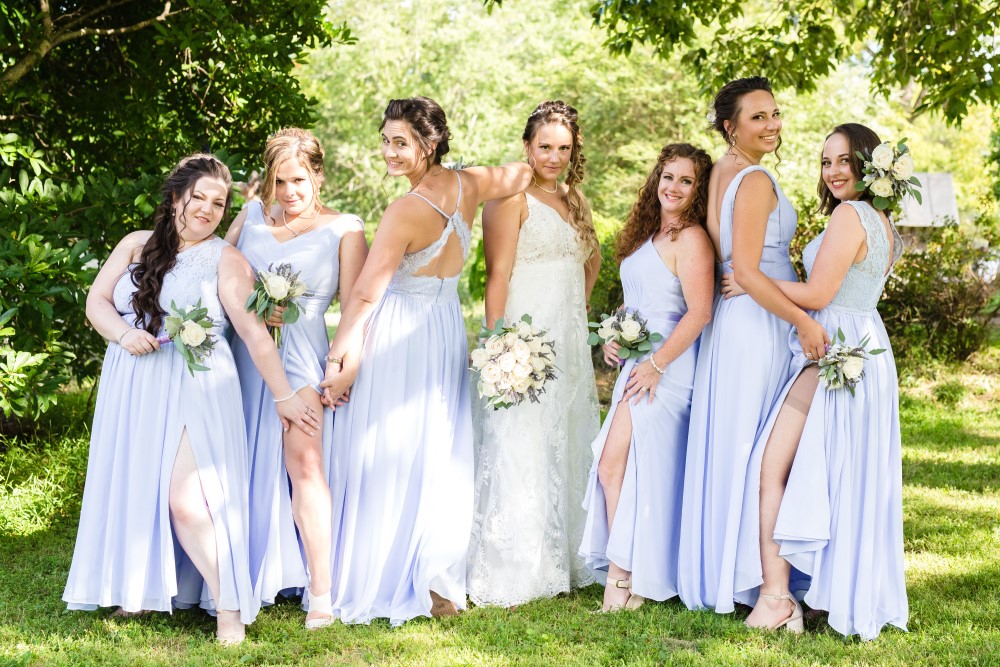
pixel 537 185
pixel 284 222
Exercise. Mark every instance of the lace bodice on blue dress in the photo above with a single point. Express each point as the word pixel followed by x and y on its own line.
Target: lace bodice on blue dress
pixel 863 284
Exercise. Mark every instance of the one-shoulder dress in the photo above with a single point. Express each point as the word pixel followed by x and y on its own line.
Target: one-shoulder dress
pixel 743 364
pixel 532 460
pixel 644 538
pixel 277 560
pixel 841 518
pixel 126 554
pixel 402 505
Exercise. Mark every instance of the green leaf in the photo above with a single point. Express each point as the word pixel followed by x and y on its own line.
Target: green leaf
pixel 593 339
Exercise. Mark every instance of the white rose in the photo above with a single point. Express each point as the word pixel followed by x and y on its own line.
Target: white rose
pixel 522 371
pixel 276 286
pixel 523 329
pixel 522 385
pixel 631 330
pixel 853 367
pixel 903 168
pixel 487 389
pixel 192 333
pixel 535 344
pixel 521 350
pixel 297 289
pixel 505 383
pixel 606 333
pixel 538 384
pixel 493 346
pixel 538 364
pixel 509 339
pixel 882 156
pixel 507 361
pixel 881 187
pixel 491 373
pixel 479 357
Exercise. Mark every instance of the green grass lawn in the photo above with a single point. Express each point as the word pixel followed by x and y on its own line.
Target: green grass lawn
pixel 951 471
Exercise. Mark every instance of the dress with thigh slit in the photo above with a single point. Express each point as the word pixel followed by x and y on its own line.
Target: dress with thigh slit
pixel 645 533
pixel 841 517
pixel 403 463
pixel 277 558
pixel 126 554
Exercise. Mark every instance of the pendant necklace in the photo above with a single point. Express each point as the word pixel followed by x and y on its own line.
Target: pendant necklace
pixel 284 222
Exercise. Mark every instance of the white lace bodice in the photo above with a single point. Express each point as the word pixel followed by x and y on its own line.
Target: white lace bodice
pixel 546 237
pixel 863 284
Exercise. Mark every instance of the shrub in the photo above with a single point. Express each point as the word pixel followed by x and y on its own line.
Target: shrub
pixel 943 292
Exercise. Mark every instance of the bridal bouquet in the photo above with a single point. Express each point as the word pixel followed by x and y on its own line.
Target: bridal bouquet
pixel 889 175
pixel 626 328
pixel 843 364
pixel 190 331
pixel 277 287
pixel 514 362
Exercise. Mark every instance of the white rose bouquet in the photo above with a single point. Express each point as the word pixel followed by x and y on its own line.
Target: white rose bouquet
pixel 888 174
pixel 514 362
pixel 843 365
pixel 626 328
pixel 277 287
pixel 189 329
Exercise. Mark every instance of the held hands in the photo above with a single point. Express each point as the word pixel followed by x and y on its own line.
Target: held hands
pixel 729 287
pixel 337 384
pixel 295 411
pixel 611 357
pixel 642 378
pixel 139 342
pixel 813 339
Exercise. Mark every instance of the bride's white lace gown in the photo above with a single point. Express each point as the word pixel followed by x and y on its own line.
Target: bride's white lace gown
pixel 532 460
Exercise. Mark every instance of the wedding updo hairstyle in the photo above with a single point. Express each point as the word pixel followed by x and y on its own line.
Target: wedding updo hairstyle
pixel 302 146
pixel 557 111
pixel 727 106
pixel 159 254
pixel 427 122
pixel 644 218
pixel 859 138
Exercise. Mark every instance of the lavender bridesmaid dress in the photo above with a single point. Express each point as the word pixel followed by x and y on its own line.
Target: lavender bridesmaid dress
pixel 277 560
pixel 125 553
pixel 646 532
pixel 402 505
pixel 841 518
pixel 743 364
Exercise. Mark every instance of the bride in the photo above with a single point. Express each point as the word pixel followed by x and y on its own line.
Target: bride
pixel 532 461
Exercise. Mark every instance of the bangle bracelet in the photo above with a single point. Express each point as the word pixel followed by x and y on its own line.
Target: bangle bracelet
pixel 286 398
pixel 335 360
pixel 123 334
pixel 659 370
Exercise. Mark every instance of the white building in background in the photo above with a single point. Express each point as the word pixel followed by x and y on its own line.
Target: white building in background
pixel 940 204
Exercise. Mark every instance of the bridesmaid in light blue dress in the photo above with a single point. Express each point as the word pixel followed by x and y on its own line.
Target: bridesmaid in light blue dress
pixel 290 506
pixel 744 359
pixel 633 497
pixel 839 516
pixel 403 441
pixel 167 464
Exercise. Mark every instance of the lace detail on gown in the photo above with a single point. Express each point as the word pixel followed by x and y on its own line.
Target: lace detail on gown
pixel 533 460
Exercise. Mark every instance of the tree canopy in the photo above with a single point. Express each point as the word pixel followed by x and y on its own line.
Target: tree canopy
pixel 949 51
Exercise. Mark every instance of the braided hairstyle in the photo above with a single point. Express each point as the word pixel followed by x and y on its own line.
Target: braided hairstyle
pixel 644 218
pixel 159 253
pixel 302 146
pixel 557 111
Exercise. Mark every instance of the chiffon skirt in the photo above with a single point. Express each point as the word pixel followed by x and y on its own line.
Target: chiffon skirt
pixel 743 364
pixel 841 518
pixel 125 553
pixel 402 505
pixel 645 535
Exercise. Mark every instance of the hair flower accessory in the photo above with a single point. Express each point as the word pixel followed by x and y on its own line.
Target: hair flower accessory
pixel 888 175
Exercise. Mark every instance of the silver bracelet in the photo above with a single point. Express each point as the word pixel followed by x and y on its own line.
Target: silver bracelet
pixel 123 334
pixel 286 398
pixel 659 370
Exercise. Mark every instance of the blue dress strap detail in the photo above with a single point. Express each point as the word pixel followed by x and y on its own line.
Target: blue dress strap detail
pixel 458 202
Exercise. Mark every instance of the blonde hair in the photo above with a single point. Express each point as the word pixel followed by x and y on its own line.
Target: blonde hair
pixel 580 219
pixel 302 146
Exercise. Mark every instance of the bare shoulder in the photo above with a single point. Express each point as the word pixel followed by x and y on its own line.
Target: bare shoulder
pixel 843 216
pixel 694 239
pixel 132 244
pixel 508 206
